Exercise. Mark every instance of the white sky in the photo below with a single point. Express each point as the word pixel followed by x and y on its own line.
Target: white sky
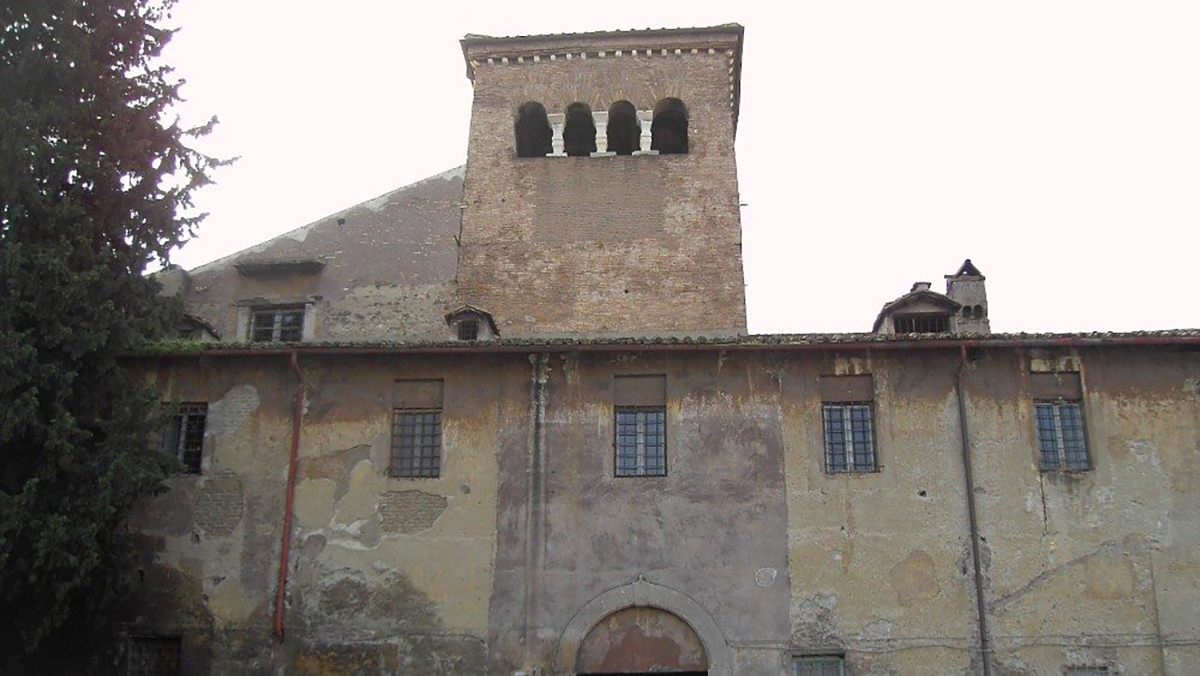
pixel 1055 143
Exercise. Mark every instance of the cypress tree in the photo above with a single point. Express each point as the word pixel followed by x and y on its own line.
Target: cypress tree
pixel 96 181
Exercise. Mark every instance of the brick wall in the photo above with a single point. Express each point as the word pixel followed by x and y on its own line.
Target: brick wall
pixel 618 245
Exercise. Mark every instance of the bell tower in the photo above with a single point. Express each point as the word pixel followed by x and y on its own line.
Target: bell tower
pixel 601 194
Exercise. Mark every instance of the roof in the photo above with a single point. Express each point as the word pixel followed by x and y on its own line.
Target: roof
pixel 761 342
pixel 519 48
pixel 967 269
pixel 914 297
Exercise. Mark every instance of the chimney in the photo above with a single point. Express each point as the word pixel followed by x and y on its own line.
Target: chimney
pixel 919 286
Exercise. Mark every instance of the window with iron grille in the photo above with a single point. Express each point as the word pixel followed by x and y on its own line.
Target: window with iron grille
pixel 1088 671
pixel 416 443
pixel 154 656
pixel 922 323
pixel 641 440
pixel 468 329
pixel 277 324
pixel 1061 440
pixel 818 665
pixel 183 437
pixel 849 437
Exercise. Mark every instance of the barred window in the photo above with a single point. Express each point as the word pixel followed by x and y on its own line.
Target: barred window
pixel 183 437
pixel 468 329
pixel 1061 441
pixel 277 324
pixel 416 443
pixel 849 438
pixel 641 441
pixel 818 665
pixel 922 323
pixel 154 655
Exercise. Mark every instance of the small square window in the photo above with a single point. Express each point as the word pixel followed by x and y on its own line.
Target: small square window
pixel 641 441
pixel 849 437
pixel 277 324
pixel 1062 444
pixel 416 443
pixel 154 656
pixel 818 665
pixel 468 329
pixel 183 437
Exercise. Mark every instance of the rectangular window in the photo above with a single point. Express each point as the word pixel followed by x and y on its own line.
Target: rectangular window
pixel 277 324
pixel 641 441
pixel 923 323
pixel 155 656
pixel 468 329
pixel 818 665
pixel 847 421
pixel 849 438
pixel 1061 441
pixel 417 443
pixel 640 425
pixel 183 438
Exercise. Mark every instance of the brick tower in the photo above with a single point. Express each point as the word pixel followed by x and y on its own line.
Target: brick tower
pixel 601 191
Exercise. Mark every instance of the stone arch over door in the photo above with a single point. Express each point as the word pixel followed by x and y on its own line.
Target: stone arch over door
pixel 644 594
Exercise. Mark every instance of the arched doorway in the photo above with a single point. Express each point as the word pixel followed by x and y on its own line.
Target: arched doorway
pixel 641 640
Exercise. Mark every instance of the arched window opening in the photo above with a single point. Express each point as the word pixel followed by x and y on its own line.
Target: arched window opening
pixel 534 135
pixel 624 130
pixel 978 312
pixel 669 131
pixel 579 133
pixel 966 312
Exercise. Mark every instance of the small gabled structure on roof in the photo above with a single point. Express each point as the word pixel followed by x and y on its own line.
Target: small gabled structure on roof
pixel 962 309
pixel 472 323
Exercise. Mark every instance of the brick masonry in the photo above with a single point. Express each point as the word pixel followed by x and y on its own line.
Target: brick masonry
pixel 219 505
pixel 410 511
pixel 629 245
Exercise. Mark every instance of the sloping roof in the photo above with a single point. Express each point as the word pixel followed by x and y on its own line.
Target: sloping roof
pixel 968 269
pixel 914 297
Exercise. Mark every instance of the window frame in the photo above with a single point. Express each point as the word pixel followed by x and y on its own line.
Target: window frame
pixel 277 312
pixel 1063 462
pixel 922 322
pixel 849 454
pixel 640 471
pixel 835 660
pixel 178 429
pixel 395 452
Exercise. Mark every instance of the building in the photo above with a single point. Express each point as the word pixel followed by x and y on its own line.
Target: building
pixel 509 420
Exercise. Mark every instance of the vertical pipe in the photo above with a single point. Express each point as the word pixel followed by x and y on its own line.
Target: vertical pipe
pixel 534 509
pixel 969 479
pixel 289 499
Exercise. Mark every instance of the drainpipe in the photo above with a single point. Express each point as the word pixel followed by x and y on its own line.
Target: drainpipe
pixel 534 506
pixel 290 497
pixel 969 479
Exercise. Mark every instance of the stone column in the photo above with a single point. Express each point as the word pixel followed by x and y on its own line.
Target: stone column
pixel 557 122
pixel 646 118
pixel 600 119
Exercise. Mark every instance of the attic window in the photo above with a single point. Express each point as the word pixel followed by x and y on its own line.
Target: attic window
pixel 468 329
pixel 277 324
pixel 922 323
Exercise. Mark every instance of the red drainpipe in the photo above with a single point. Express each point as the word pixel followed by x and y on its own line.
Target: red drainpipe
pixel 289 500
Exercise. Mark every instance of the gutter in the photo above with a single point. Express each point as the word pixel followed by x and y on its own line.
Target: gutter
pixel 290 498
pixel 972 519
pixel 559 347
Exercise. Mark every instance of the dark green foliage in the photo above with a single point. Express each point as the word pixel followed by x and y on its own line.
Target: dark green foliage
pixel 92 176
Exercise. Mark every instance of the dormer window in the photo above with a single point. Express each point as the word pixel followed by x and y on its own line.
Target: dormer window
pixel 922 323
pixel 468 329
pixel 471 323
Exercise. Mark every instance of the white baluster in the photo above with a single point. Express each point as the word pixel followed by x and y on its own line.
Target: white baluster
pixel 646 118
pixel 557 121
pixel 600 118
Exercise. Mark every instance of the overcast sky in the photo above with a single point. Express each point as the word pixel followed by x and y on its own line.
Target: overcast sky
pixel 1056 144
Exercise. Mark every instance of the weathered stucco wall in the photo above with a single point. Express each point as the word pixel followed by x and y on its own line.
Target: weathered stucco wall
pixel 527 540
